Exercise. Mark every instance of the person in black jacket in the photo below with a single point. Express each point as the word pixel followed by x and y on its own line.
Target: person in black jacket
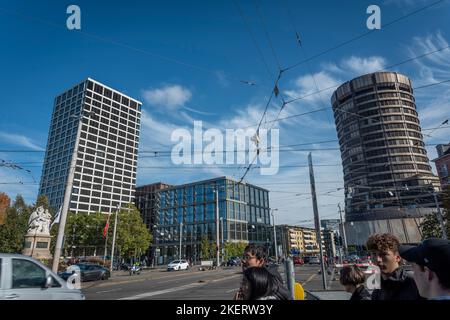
pixel 258 284
pixel 352 278
pixel 395 283
pixel 255 256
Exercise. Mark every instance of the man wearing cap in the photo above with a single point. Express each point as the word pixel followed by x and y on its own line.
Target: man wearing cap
pixel 431 264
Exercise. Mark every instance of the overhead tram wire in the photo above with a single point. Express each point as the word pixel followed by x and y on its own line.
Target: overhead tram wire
pixel 133 48
pixel 385 25
pixel 304 54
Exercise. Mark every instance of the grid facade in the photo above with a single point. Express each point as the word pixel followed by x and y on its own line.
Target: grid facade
pixel 108 123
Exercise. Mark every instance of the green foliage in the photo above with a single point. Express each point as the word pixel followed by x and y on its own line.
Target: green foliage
pixel 430 226
pixel 234 249
pixel 133 237
pixel 205 248
pixel 15 227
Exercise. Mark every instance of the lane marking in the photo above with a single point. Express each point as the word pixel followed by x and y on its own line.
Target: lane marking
pixel 112 290
pixel 232 290
pixel 156 293
pixel 310 278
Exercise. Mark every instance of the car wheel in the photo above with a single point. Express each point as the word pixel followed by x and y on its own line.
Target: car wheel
pixel 104 277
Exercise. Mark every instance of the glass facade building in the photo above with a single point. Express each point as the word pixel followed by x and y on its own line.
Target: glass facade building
pixel 244 215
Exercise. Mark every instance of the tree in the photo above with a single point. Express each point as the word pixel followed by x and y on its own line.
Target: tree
pixel 133 238
pixel 234 249
pixel 205 248
pixel 430 226
pixel 5 203
pixel 12 232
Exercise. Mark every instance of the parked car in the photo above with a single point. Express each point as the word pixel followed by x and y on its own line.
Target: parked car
pixel 178 265
pixel 306 259
pixel 88 272
pixel 234 261
pixel 298 260
pixel 25 278
pixel 314 260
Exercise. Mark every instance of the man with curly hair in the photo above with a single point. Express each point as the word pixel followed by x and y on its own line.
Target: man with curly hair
pixel 396 282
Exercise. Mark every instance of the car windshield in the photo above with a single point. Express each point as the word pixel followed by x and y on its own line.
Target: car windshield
pixel 176 261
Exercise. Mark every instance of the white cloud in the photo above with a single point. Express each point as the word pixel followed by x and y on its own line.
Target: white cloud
pixel 169 96
pixel 20 140
pixel 360 66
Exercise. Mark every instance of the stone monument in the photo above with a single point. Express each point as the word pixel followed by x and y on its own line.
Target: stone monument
pixel 37 239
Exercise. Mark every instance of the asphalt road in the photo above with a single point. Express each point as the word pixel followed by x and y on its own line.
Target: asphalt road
pixel 189 284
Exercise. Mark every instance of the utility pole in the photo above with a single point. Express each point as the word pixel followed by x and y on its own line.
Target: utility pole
pixel 114 239
pixel 221 229
pixel 316 219
pixel 439 216
pixel 217 227
pixel 274 235
pixel 343 231
pixel 67 196
pixel 181 236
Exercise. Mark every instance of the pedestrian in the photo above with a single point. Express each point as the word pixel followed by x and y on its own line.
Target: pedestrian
pixel 395 282
pixel 431 265
pixel 258 284
pixel 352 278
pixel 256 256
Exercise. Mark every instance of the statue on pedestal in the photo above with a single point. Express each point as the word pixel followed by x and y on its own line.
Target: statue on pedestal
pixel 37 239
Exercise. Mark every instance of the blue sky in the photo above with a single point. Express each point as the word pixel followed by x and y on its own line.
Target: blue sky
pixel 186 59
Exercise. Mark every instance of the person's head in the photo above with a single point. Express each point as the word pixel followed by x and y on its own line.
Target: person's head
pixel 351 277
pixel 431 265
pixel 254 256
pixel 256 283
pixel 384 252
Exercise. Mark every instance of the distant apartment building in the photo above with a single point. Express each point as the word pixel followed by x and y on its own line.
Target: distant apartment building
pixel 295 240
pixel 442 163
pixel 244 215
pixel 102 126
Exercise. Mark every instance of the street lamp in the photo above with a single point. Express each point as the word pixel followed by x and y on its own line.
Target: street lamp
pixel 274 234
pixel 68 193
pixel 216 192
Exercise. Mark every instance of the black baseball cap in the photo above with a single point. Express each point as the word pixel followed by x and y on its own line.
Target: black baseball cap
pixel 433 253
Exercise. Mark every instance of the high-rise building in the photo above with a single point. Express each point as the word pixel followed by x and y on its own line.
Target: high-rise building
pixel 102 126
pixel 387 174
pixel 244 215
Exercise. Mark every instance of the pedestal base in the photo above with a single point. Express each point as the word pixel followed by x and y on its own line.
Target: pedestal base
pixel 37 246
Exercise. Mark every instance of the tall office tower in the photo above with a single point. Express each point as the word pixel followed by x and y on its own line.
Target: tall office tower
pixel 100 127
pixel 386 169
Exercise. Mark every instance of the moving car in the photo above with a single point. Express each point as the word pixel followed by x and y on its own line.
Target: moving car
pixel 25 278
pixel 89 272
pixel 298 260
pixel 178 265
pixel 234 261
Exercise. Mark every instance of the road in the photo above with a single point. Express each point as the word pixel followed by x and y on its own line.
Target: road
pixel 188 284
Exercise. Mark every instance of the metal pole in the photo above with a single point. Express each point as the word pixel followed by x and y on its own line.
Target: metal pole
pixel 217 227
pixel 66 203
pixel 290 276
pixel 316 219
pixel 344 236
pixel 274 236
pixel 439 216
pixel 114 239
pixel 106 241
pixel 181 233
pixel 221 229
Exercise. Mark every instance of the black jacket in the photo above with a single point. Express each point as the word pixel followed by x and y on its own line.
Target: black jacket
pixel 399 286
pixel 361 293
pixel 283 292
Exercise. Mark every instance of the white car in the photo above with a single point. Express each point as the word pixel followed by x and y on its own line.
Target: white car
pixel 178 265
pixel 25 278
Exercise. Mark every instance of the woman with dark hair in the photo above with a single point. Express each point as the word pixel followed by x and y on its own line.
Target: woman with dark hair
pixel 352 278
pixel 258 284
